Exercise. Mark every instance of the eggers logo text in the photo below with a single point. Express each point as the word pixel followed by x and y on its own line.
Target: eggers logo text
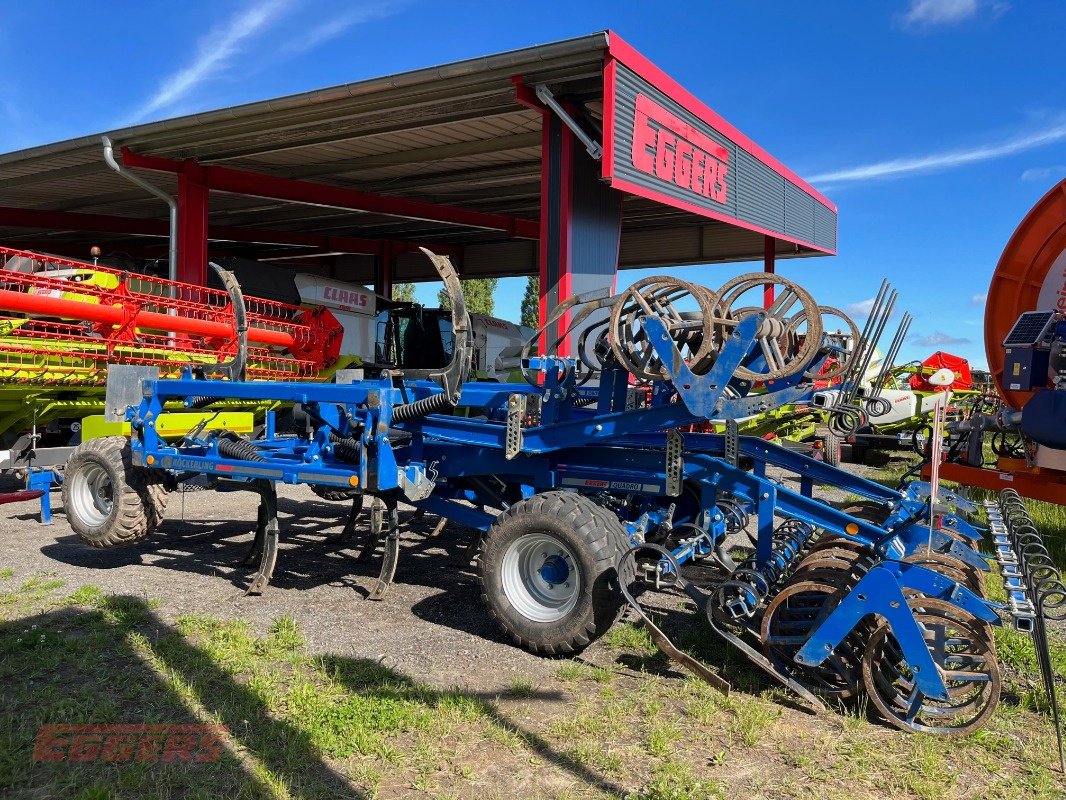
pixel 674 151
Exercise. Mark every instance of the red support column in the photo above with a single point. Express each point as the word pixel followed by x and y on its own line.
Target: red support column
pixel 769 254
pixel 192 224
pixel 557 148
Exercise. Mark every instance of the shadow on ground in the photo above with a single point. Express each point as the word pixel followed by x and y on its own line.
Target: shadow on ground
pixel 119 663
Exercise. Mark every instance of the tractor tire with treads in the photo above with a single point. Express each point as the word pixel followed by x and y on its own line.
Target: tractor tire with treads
pixel 108 501
pixel 548 572
pixel 832 446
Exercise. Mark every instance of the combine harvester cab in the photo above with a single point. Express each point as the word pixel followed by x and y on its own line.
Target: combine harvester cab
pixel 583 493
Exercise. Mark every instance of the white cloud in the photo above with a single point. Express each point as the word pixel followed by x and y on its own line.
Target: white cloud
pixel 214 52
pixel 926 14
pixel 923 13
pixel 950 159
pixel 979 299
pixel 1044 173
pixel 862 308
pixel 938 339
pixel 333 28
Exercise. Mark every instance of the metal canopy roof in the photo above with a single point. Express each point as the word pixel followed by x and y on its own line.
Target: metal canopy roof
pixel 454 135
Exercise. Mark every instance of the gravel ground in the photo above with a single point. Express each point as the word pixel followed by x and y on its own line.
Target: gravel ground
pixel 431 625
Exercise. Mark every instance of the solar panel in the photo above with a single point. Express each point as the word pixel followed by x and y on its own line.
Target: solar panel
pixel 1030 329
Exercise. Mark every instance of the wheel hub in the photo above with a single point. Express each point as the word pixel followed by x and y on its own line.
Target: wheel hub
pixel 540 577
pixel 555 569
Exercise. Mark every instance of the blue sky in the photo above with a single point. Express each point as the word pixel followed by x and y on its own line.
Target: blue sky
pixel 933 124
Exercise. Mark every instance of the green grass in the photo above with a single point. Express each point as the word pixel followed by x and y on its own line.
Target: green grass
pixel 311 725
pixel 629 636
pixel 522 687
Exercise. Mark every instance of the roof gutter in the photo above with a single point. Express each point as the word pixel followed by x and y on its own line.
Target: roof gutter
pixel 172 248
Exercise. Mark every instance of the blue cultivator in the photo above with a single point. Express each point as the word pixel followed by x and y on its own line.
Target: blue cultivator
pixel 597 494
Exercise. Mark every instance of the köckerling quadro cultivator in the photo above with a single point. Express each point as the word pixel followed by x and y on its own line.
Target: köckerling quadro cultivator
pixel 600 495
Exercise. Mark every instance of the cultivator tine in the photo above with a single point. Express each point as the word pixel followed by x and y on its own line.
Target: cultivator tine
pixel 846 415
pixel 353 517
pixel 391 555
pixel 268 505
pixel 255 550
pixel 663 642
pixel 1033 585
pixel 893 351
pixel 470 551
pixel 373 534
pixel 759 660
pixel 873 400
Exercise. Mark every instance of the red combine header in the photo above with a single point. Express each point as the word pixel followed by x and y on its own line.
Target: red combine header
pixel 65 321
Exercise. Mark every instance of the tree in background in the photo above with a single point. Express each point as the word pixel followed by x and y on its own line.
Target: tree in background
pixel 404 292
pixel 479 296
pixel 531 302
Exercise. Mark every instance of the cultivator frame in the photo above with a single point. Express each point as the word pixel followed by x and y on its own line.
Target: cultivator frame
pixel 598 496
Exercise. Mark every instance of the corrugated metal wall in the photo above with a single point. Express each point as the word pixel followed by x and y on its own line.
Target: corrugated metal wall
pixel 757 194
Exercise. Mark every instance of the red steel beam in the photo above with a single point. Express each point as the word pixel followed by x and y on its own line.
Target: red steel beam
pixel 100 223
pixel 255 184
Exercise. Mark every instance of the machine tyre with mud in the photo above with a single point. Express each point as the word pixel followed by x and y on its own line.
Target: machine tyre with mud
pixel 548 572
pixel 108 501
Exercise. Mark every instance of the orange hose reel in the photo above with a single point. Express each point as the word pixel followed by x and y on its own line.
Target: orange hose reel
pixel 1030 276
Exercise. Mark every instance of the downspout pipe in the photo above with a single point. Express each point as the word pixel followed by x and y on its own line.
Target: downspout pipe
pixel 172 250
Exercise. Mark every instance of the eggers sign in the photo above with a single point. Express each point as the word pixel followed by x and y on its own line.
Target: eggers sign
pixel 672 150
pixel 664 145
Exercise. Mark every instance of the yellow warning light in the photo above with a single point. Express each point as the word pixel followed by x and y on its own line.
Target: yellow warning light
pixel 149 460
pixel 353 481
pixel 851 529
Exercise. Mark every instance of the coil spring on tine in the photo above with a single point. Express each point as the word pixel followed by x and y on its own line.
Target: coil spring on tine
pixel 735 514
pixel 1042 575
pixel 750 584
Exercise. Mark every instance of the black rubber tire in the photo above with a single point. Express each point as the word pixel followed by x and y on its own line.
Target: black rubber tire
pixel 597 540
pixel 831 449
pixel 139 497
pixel 335 494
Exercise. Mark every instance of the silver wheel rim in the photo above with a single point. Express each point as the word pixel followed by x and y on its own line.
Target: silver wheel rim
pixel 93 494
pixel 541 577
